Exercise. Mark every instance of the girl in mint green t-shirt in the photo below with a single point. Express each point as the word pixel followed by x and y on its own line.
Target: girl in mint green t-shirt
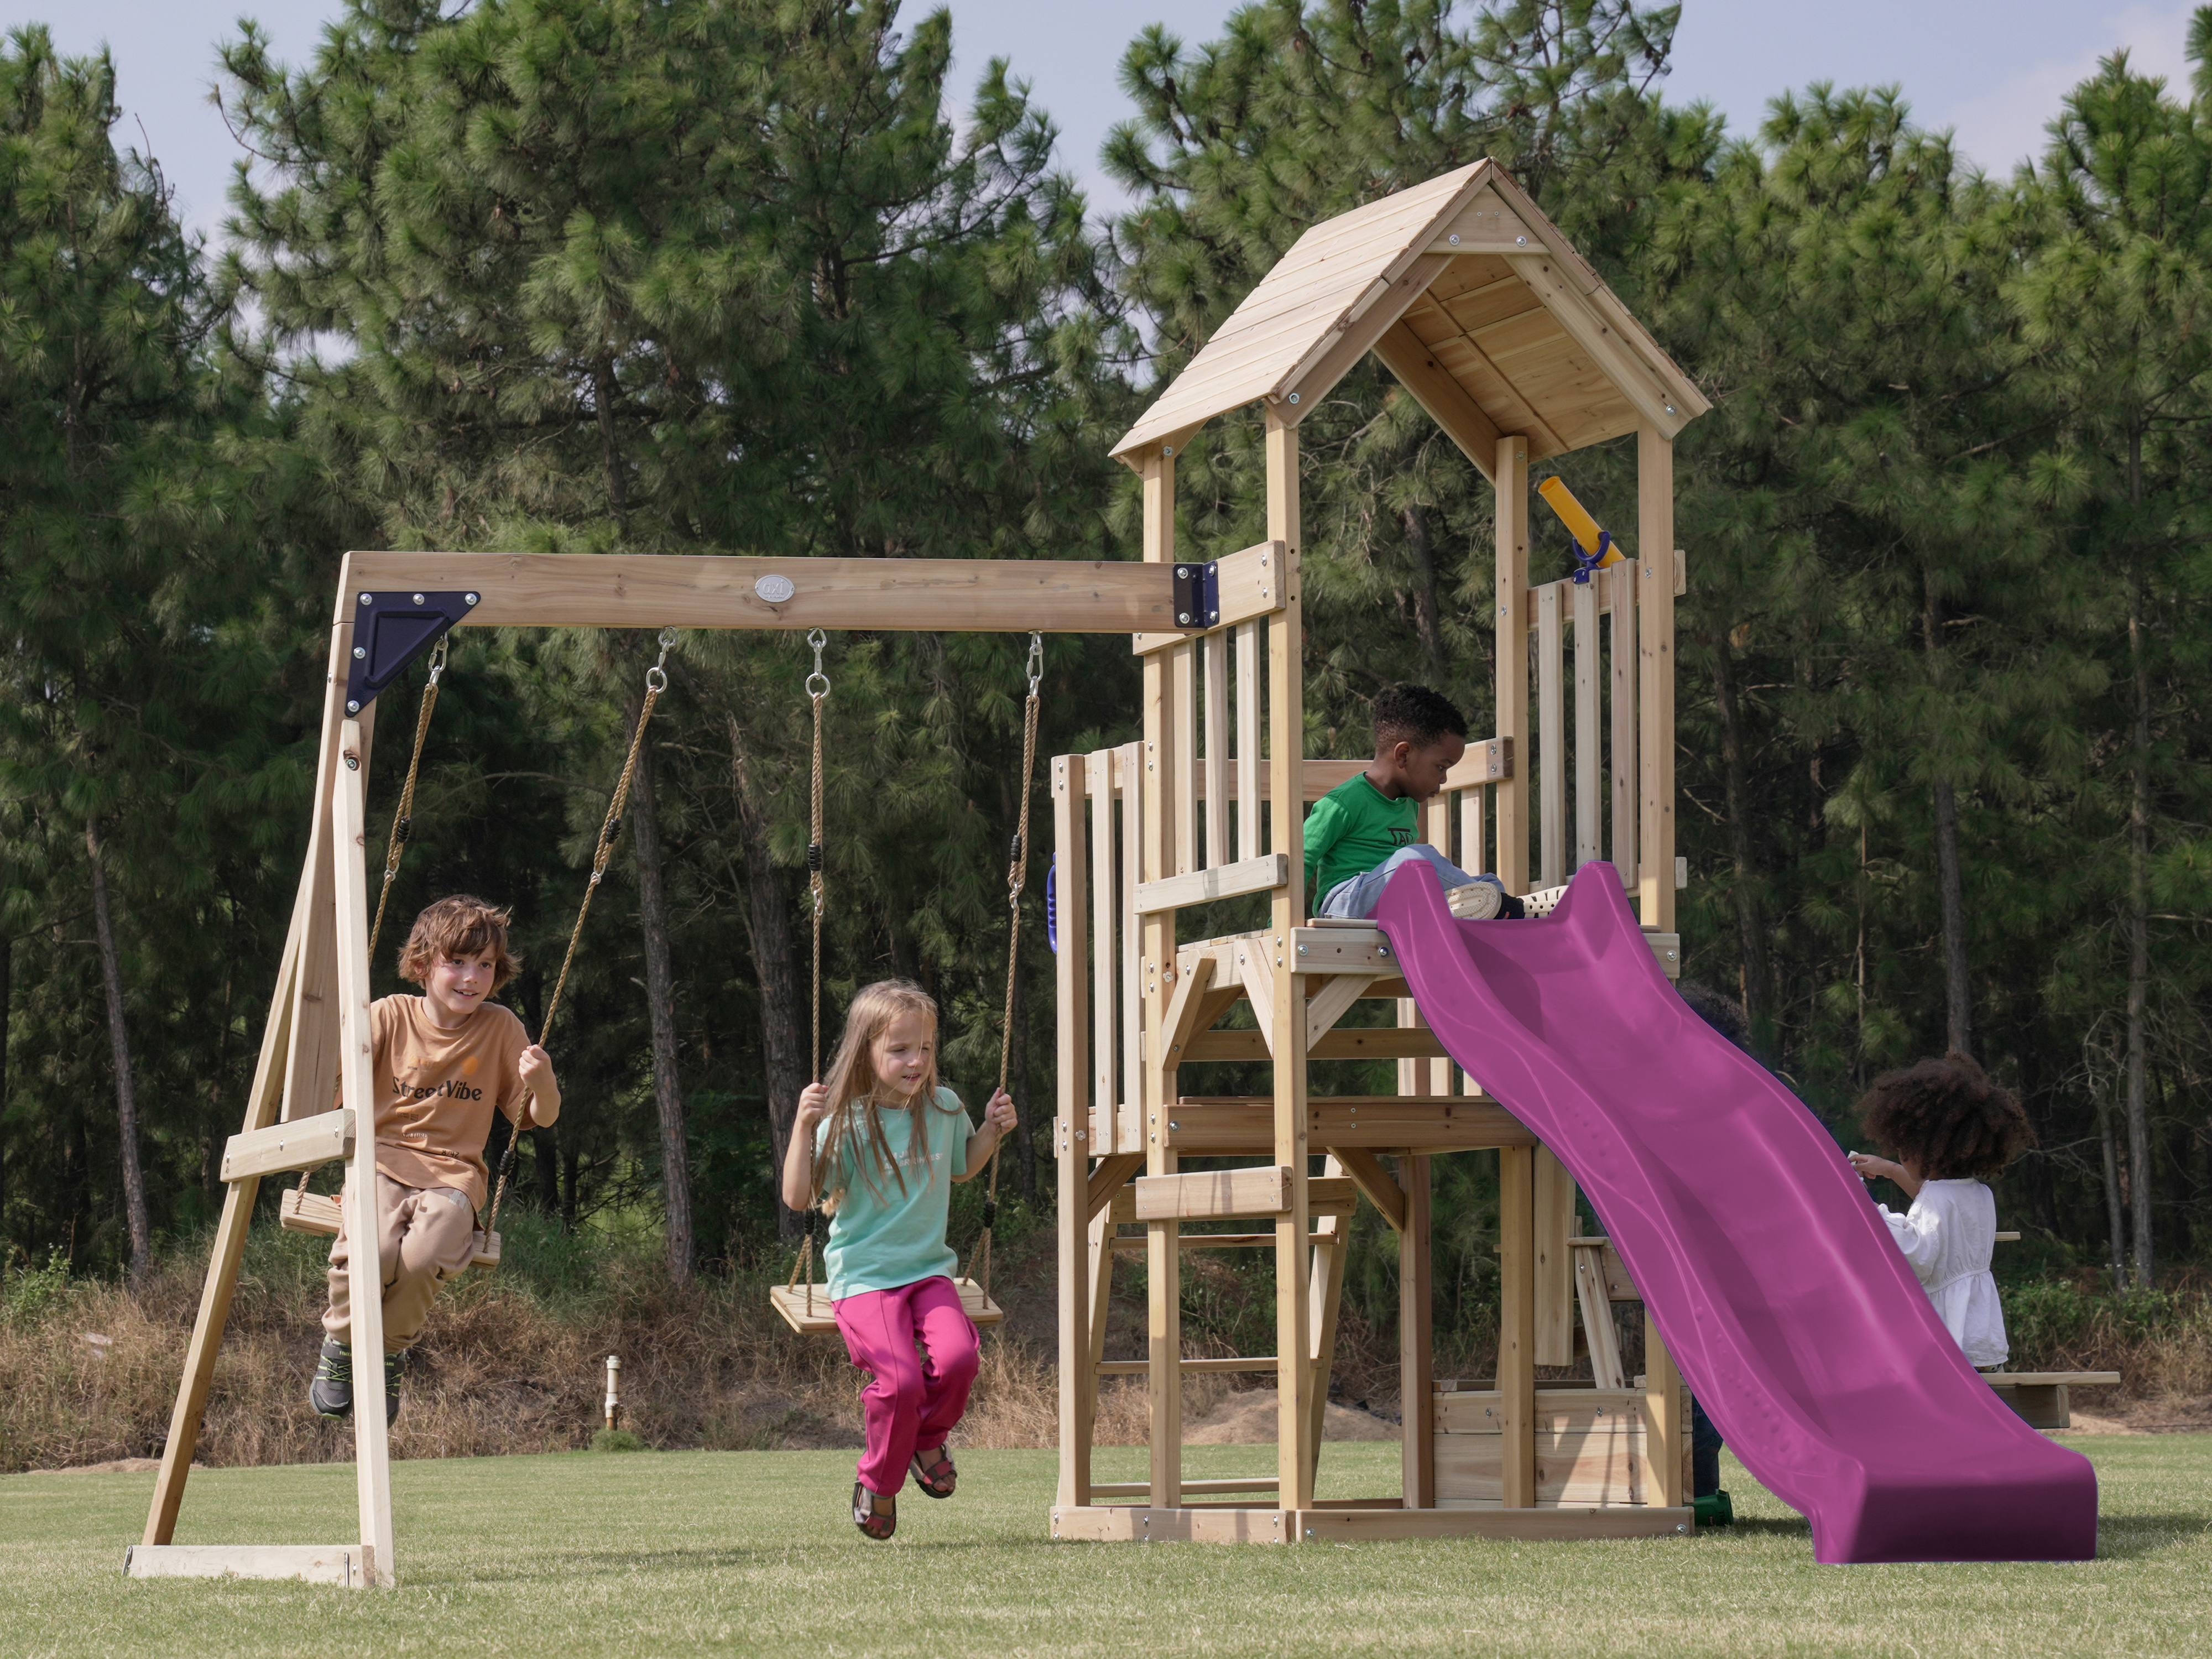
pixel 878 1147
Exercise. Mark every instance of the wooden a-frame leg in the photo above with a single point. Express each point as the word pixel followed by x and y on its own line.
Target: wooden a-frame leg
pixel 364 1266
pixel 1074 1313
pixel 261 1103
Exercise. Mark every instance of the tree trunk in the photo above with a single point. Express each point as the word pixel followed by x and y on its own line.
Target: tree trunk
pixel 1428 621
pixel 660 1010
pixel 605 389
pixel 1950 886
pixel 7 963
pixel 2113 1219
pixel 2138 1105
pixel 1750 925
pixel 118 1043
pixel 783 1037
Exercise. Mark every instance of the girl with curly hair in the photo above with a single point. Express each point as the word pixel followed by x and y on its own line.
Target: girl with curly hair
pixel 1951 1128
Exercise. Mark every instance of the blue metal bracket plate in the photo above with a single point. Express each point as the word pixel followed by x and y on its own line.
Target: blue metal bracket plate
pixel 1197 595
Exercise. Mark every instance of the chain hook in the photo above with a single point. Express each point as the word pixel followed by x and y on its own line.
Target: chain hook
pixel 656 678
pixel 438 657
pixel 818 683
pixel 1035 662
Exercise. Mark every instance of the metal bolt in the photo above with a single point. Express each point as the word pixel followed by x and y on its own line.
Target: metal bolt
pixel 360 651
pixel 1520 241
pixel 471 597
pixel 352 707
pixel 418 598
pixel 1183 616
pixel 368 598
pixel 1453 239
pixel 1303 949
pixel 1167 449
pixel 1182 573
pixel 1294 396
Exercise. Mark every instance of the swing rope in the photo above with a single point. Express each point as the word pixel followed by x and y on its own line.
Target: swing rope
pixel 656 682
pixel 403 817
pixel 1018 865
pixel 818 692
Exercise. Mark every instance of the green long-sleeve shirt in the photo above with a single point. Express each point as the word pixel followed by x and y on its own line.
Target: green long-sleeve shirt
pixel 1352 828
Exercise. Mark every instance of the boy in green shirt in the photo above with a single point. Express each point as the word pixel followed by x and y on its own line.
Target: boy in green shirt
pixel 1360 833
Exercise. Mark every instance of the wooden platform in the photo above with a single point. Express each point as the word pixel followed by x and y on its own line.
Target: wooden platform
pixel 1126 1523
pixel 314 1563
pixel 806 1307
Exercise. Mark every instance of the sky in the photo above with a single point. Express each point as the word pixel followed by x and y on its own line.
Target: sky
pixel 1993 71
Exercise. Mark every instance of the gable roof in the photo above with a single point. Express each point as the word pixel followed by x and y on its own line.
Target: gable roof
pixel 1472 298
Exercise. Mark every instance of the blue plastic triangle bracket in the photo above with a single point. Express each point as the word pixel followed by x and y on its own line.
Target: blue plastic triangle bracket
pixel 390 630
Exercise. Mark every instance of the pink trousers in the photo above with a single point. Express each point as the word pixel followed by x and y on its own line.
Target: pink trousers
pixel 912 1402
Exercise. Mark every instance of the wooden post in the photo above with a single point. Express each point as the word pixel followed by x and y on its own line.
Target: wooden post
pixel 1286 810
pixel 1516 1324
pixel 1510 855
pixel 1163 808
pixel 1554 1271
pixel 1655 612
pixel 1106 962
pixel 1416 1406
pixel 1070 1144
pixel 311 1062
pixel 1664 1442
pixel 1247 740
pixel 364 1268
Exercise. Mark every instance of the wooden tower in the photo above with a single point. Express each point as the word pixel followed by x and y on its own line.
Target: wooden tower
pixel 1492 322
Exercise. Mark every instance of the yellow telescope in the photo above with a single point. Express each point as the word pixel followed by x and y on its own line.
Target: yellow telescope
pixel 1583 528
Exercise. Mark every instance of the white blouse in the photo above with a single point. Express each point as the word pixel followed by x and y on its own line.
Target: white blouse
pixel 1948 1235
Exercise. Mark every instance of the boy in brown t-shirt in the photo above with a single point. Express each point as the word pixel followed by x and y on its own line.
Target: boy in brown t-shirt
pixel 443 1062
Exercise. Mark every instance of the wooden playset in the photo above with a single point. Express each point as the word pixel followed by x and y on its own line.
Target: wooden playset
pixel 1501 332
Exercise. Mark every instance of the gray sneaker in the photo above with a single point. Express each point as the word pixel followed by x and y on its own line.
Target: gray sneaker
pixel 331 1391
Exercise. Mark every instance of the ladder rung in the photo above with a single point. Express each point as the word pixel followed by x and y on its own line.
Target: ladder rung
pixel 1134 1243
pixel 1141 1489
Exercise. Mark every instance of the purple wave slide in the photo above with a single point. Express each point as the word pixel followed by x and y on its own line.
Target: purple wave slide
pixel 1796 1321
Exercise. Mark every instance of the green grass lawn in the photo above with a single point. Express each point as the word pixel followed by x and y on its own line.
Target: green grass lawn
pixel 750 1552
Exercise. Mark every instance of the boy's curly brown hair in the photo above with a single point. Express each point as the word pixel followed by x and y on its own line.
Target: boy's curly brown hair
pixel 460 925
pixel 1947 1116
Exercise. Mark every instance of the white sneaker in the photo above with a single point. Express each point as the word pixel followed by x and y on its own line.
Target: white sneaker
pixel 1477 901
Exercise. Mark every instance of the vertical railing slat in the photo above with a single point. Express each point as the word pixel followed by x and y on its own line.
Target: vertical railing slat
pixel 1247 740
pixel 1552 735
pixel 1623 643
pixel 1589 745
pixel 1129 761
pixel 1098 780
pixel 1217 749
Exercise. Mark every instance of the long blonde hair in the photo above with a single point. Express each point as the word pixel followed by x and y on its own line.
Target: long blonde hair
pixel 855 1125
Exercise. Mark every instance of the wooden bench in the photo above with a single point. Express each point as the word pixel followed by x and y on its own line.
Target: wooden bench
pixel 2040 1397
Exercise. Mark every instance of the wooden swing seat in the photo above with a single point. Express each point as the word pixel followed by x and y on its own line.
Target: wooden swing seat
pixel 806 1307
pixel 317 1213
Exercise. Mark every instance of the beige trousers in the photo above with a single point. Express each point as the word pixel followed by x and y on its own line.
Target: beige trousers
pixel 424 1237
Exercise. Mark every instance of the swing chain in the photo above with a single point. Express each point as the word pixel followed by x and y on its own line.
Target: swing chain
pixel 818 693
pixel 656 682
pixel 1017 878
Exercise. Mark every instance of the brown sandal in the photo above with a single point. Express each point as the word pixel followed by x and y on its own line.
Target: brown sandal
pixel 879 1523
pixel 938 1478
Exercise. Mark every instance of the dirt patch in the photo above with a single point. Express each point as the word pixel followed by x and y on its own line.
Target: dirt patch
pixel 1248 1419
pixel 121 1466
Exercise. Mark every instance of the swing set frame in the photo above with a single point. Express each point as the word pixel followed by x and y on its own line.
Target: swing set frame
pixel 318 1023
